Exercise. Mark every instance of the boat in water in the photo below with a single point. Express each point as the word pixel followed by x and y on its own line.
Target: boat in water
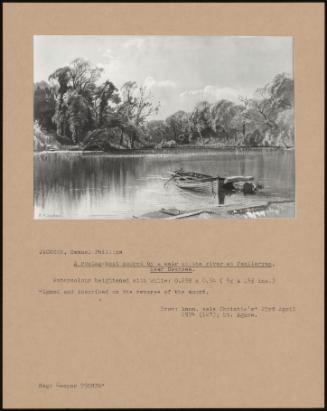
pixel 194 181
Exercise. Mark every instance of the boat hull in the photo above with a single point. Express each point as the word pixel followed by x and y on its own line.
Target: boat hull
pixel 205 183
pixel 209 186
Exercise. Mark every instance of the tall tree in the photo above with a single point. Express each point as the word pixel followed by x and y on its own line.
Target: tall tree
pixel 158 131
pixel 180 126
pixel 84 75
pixel 137 103
pixel 201 118
pixel 79 116
pixel 44 104
pixel 62 76
pixel 136 107
pixel 222 115
pixel 76 88
pixel 105 94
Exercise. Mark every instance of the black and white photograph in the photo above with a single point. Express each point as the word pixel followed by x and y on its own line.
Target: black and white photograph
pixel 163 127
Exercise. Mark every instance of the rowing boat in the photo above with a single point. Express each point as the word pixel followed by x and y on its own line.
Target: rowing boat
pixel 203 182
pixel 194 181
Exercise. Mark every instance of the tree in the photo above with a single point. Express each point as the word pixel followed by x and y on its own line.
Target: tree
pixel 105 94
pixel 180 126
pixel 136 107
pixel 83 109
pixel 44 104
pixel 137 104
pixel 285 123
pixel 222 116
pixel 263 113
pixel 62 76
pixel 279 92
pixel 272 98
pixel 201 118
pixel 145 106
pixel 84 76
pixel 79 116
pixel 158 131
pixel 80 103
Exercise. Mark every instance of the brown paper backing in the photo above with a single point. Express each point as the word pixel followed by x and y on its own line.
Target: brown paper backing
pixel 147 359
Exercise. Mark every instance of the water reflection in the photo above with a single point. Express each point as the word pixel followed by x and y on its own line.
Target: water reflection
pixel 74 185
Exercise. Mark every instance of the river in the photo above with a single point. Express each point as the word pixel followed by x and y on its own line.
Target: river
pixel 75 185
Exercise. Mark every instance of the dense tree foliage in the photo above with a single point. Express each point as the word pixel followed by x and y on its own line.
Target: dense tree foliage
pixel 78 109
pixel 44 105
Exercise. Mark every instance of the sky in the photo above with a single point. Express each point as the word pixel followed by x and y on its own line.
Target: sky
pixel 180 71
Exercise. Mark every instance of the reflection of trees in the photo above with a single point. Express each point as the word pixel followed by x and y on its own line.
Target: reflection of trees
pixel 67 181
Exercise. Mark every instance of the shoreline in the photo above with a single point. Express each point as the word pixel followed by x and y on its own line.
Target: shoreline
pixel 175 150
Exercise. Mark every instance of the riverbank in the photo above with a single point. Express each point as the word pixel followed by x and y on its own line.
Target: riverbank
pixel 172 150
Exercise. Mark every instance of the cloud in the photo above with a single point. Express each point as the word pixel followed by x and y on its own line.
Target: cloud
pixel 167 92
pixel 112 71
pixel 212 94
pixel 100 65
pixel 163 91
pixel 136 43
pixel 112 66
pixel 151 83
pixel 107 54
pixel 208 93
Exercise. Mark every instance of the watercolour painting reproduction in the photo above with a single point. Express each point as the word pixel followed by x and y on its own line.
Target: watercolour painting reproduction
pixel 163 127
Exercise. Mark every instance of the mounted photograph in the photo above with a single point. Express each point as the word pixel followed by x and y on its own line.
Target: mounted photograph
pixel 163 127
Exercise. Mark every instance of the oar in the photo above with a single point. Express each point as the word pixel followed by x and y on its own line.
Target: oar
pixel 165 185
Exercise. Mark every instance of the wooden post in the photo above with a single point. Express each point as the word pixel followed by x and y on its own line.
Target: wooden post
pixel 220 189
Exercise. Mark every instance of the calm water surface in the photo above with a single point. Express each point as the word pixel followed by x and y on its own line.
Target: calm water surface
pixel 97 185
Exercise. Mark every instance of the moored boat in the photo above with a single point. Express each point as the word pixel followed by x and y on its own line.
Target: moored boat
pixel 204 182
pixel 194 181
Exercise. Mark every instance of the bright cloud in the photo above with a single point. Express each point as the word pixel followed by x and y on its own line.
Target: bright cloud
pixel 151 83
pixel 137 43
pixel 108 54
pixel 212 94
pixel 208 93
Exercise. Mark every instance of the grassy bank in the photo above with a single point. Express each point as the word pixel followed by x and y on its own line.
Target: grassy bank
pixel 174 150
